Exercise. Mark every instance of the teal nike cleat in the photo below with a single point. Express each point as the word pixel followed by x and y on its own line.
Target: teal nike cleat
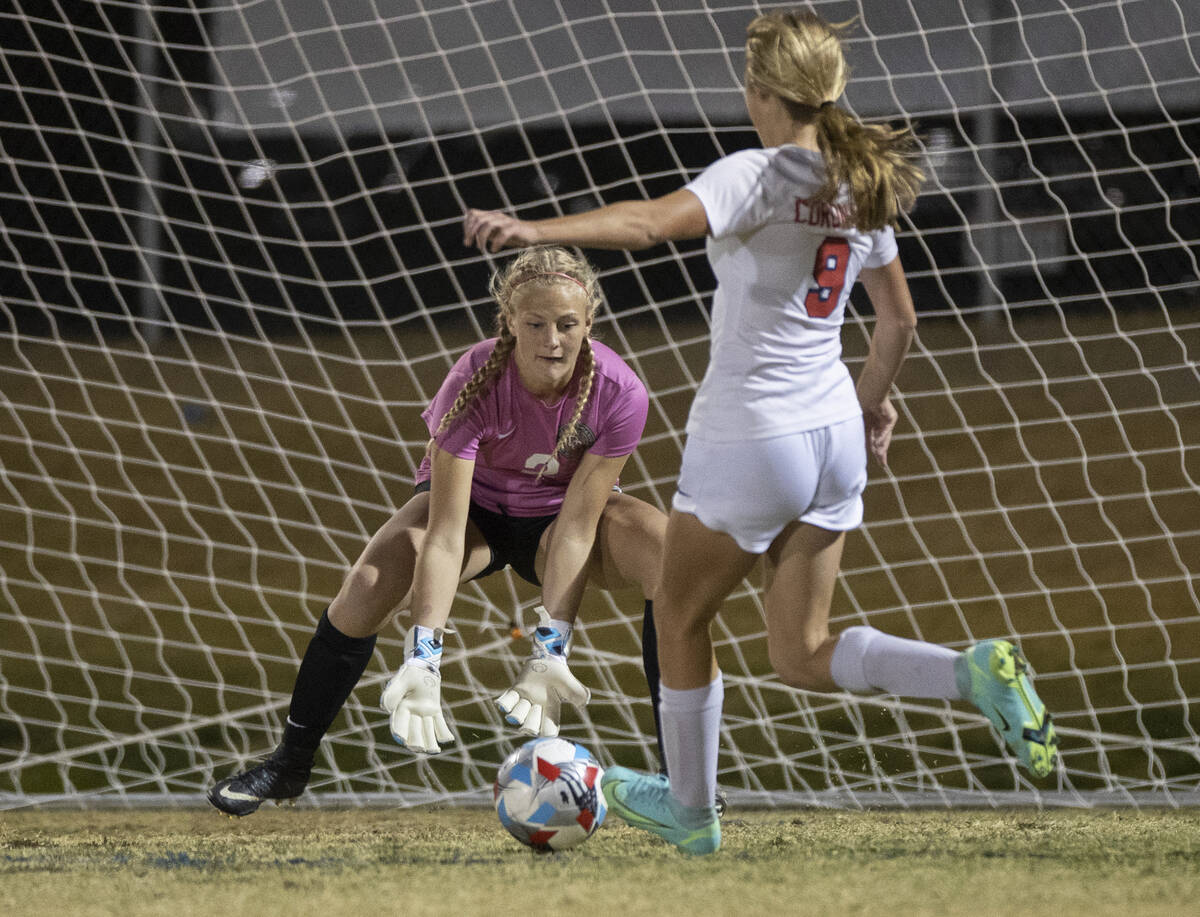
pixel 644 801
pixel 993 675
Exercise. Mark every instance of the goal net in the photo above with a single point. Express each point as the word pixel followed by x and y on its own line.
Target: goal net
pixel 233 276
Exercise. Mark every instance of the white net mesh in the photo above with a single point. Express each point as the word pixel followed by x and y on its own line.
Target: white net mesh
pixel 233 277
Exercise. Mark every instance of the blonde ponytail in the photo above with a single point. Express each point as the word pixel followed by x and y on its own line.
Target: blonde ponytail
pixel 799 57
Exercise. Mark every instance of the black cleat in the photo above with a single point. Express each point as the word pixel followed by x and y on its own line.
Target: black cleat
pixel 280 776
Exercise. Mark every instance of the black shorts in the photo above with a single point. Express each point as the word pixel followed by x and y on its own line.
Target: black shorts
pixel 513 540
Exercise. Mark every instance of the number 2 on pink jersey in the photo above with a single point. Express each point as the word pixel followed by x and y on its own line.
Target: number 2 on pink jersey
pixel 829 274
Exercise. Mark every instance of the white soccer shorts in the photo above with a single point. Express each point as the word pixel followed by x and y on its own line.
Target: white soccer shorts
pixel 752 489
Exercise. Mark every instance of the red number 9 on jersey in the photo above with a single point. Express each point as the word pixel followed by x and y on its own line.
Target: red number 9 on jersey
pixel 829 275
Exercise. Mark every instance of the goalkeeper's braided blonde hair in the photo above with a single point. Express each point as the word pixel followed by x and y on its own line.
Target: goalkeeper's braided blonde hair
pixel 798 56
pixel 541 266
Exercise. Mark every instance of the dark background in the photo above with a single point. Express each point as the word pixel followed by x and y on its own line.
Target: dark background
pixel 374 218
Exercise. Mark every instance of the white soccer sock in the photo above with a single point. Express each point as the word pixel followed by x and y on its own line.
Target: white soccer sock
pixel 868 661
pixel 691 725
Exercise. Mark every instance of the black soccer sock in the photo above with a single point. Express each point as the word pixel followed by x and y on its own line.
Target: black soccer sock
pixel 650 665
pixel 332 666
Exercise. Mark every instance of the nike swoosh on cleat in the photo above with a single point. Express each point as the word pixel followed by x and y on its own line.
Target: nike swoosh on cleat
pixel 637 816
pixel 226 793
pixel 1003 719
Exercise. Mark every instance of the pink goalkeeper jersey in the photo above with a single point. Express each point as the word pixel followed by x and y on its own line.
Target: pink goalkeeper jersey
pixel 510 433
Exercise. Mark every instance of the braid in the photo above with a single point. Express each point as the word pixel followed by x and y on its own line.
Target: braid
pixel 569 436
pixel 481 380
pixel 570 433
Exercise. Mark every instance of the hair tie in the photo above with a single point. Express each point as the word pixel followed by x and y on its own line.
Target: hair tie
pixel 828 103
pixel 574 280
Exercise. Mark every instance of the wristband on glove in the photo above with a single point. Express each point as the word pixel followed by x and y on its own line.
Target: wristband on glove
pixel 551 637
pixel 423 646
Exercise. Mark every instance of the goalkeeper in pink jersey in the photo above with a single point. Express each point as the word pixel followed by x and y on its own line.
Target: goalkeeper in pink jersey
pixel 529 433
pixel 778 434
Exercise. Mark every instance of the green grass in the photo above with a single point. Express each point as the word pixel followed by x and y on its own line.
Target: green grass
pixel 459 861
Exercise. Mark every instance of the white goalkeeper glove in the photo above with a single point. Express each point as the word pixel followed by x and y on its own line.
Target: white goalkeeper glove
pixel 534 702
pixel 413 698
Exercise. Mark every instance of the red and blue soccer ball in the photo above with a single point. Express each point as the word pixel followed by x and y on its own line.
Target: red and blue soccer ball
pixel 547 794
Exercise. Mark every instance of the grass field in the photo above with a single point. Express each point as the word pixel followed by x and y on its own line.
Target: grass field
pixel 459 861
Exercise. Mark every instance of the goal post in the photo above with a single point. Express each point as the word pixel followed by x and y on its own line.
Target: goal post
pixel 233 277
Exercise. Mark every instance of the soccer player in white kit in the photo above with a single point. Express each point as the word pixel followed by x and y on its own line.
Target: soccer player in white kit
pixel 778 434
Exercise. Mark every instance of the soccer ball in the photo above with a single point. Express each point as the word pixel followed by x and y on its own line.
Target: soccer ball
pixel 547 794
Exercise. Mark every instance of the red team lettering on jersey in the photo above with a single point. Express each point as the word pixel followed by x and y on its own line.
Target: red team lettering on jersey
pixel 823 214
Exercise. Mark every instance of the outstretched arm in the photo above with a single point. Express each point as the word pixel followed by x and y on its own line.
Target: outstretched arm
pixel 895 326
pixel 629 225
pixel 573 534
pixel 534 701
pixel 413 696
pixel 439 563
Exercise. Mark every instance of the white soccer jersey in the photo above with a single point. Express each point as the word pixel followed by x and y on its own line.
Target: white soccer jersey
pixel 784 271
